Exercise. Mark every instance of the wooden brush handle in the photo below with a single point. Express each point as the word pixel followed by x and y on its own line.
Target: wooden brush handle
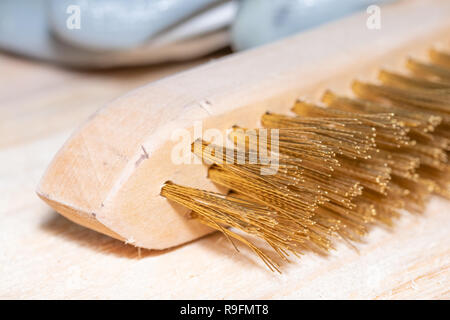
pixel 108 175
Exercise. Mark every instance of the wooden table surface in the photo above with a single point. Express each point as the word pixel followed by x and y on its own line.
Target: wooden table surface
pixel 43 255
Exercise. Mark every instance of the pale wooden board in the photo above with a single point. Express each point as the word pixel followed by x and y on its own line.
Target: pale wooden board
pixel 43 255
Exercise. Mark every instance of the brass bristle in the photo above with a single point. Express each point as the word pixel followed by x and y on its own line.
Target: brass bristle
pixel 433 71
pixel 331 171
pixel 220 212
pixel 408 82
pixel 440 58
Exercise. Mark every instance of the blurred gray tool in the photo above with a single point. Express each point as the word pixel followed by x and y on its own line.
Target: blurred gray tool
pixel 134 32
pixel 115 32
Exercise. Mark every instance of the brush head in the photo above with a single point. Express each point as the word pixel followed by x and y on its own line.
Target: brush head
pixel 108 175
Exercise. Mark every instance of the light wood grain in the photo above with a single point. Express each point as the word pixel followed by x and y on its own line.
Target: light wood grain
pixel 43 255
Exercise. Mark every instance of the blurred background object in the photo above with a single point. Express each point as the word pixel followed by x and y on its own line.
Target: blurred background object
pixel 262 21
pixel 110 33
